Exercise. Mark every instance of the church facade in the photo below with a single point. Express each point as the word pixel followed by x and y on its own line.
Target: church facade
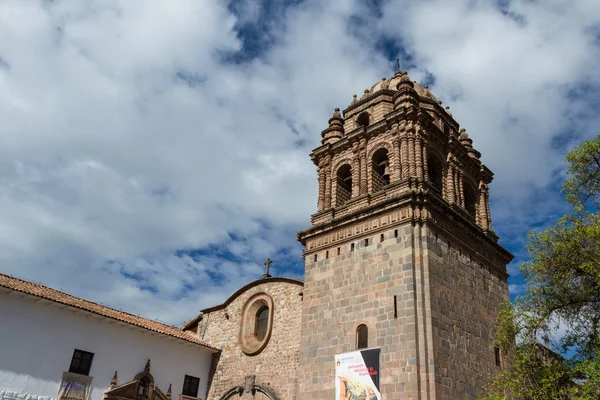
pixel 401 262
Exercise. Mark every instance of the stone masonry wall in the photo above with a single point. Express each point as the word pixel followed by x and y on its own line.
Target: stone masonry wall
pixel 276 365
pixel 466 293
pixel 358 287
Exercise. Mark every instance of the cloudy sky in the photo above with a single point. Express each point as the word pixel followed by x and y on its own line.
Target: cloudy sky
pixel 154 153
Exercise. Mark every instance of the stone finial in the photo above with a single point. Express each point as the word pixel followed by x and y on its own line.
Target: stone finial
pixel 169 392
pixel 463 134
pixel 147 367
pixel 354 98
pixel 405 79
pixel 448 111
pixel 385 84
pixel 114 382
pixel 335 131
pixel 365 94
pixel 406 93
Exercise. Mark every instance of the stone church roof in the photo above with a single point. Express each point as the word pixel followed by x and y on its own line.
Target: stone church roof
pixel 44 292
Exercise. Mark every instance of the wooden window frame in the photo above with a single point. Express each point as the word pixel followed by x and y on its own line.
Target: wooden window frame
pixel 75 367
pixel 190 386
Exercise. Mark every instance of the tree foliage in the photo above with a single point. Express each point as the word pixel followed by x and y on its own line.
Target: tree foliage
pixel 561 306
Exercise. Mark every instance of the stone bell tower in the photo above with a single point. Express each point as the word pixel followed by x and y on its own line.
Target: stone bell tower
pixel 401 246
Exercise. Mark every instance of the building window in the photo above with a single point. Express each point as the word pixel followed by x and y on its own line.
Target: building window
pixel 190 386
pixel 497 355
pixel 81 362
pixel 362 337
pixel 338 251
pixel 256 323
pixel 262 323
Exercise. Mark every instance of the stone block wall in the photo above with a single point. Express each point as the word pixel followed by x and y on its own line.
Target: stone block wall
pixel 467 291
pixel 276 365
pixel 358 287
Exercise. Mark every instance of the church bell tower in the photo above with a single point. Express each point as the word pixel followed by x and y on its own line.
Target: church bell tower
pixel 401 255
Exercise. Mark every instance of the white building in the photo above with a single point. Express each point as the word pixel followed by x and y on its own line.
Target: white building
pixel 45 334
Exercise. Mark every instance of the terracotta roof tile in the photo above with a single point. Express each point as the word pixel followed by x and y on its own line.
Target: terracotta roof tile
pixel 35 289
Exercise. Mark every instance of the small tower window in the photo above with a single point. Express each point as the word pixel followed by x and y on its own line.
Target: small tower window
pixel 363 119
pixel 262 323
pixel 381 170
pixel 362 337
pixel 343 185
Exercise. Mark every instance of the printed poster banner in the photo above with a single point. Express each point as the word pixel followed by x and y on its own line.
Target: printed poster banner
pixel 74 387
pixel 357 375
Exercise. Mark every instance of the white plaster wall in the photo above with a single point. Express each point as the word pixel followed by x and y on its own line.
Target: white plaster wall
pixel 37 340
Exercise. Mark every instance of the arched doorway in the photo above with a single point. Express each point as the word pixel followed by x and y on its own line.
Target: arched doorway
pixel 256 392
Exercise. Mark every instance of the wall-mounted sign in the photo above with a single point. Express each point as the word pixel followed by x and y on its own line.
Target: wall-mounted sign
pixel 357 375
pixel 74 387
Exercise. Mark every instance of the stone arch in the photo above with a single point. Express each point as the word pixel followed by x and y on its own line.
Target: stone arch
pixel 238 391
pixel 377 146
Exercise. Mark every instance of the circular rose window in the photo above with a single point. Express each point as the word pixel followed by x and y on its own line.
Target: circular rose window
pixel 257 322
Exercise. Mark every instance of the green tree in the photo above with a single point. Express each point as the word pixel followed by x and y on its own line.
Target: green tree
pixel 562 300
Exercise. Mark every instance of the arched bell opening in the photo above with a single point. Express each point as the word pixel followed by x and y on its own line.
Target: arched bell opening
pixel 237 391
pixel 343 185
pixel 470 198
pixel 381 170
pixel 435 170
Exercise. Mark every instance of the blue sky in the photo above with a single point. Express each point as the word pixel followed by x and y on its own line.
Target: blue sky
pixel 154 154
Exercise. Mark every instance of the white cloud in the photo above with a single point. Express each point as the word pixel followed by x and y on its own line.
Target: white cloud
pixel 126 137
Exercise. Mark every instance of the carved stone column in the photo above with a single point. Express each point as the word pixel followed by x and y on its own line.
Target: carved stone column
pixel 328 183
pixel 404 153
pixel 450 189
pixel 355 170
pixel 411 153
pixel 419 155
pixel 363 167
pixel 397 171
pixel 488 215
pixel 321 177
pixel 425 160
pixel 460 189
